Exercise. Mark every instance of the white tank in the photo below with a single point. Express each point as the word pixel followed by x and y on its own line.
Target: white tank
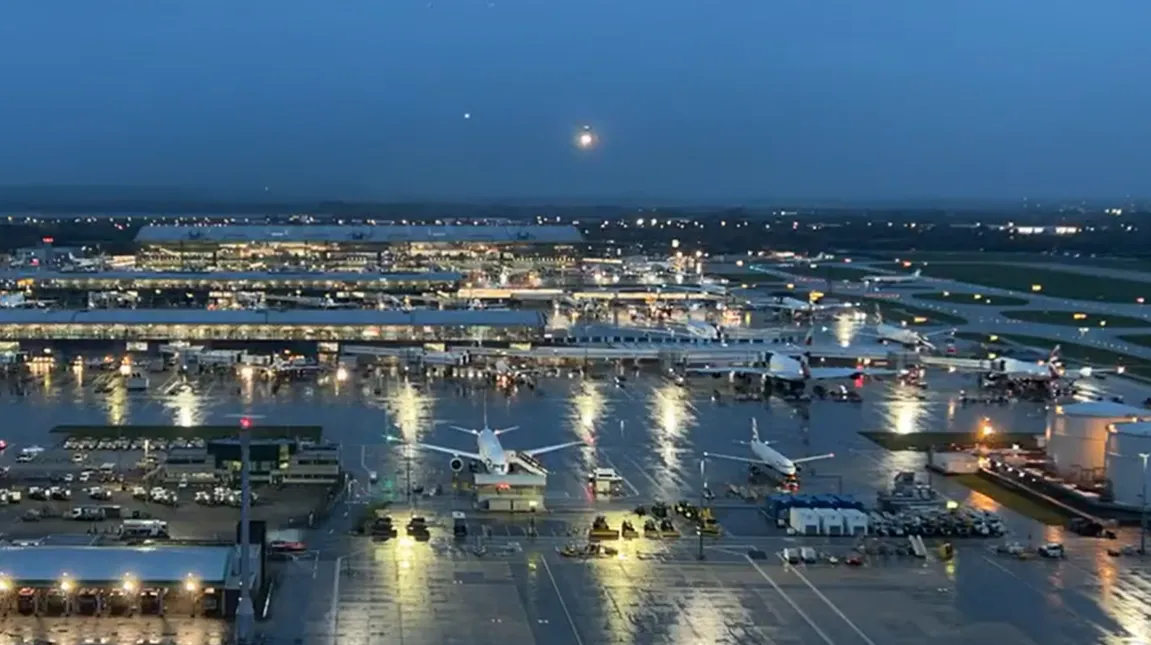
pixel 1077 435
pixel 1124 463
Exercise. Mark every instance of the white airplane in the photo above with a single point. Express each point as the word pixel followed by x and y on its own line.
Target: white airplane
pixel 903 335
pixel 795 305
pixel 1052 369
pixel 894 279
pixel 19 301
pixel 489 451
pixel 792 368
pixel 764 455
pixel 83 265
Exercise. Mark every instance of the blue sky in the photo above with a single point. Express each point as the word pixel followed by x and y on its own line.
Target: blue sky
pixel 725 100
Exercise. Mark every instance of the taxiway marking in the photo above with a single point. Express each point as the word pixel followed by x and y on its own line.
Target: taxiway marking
pixel 789 600
pixel 563 603
pixel 835 608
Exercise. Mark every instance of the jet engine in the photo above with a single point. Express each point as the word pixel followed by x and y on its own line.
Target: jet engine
pixel 456 464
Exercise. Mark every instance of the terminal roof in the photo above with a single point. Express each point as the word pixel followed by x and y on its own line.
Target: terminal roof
pixel 234 276
pixel 388 234
pixel 290 317
pixel 98 564
pixel 1104 410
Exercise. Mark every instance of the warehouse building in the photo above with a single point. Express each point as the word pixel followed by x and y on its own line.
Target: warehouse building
pixel 123 580
pixel 344 247
pixel 275 461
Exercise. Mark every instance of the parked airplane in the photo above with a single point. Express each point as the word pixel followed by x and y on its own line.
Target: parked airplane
pixel 902 335
pixel 894 278
pixel 766 456
pixel 795 305
pixel 792 369
pixel 1052 369
pixel 489 451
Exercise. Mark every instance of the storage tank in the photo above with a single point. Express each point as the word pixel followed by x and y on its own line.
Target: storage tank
pixel 1125 465
pixel 1077 435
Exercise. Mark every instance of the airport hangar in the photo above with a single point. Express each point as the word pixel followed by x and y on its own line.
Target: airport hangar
pixel 347 247
pixel 200 289
pixel 58 579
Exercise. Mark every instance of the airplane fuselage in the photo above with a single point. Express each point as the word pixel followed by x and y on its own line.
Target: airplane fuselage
pixel 491 452
pixel 785 368
pixel 773 460
pixel 899 335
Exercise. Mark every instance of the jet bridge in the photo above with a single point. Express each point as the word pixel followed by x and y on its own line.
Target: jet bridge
pixel 521 491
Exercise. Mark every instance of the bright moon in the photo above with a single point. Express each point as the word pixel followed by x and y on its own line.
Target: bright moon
pixel 586 138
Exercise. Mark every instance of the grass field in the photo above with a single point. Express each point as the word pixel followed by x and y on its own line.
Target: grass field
pixel 970 299
pixel 897 311
pixel 1075 352
pixel 1056 283
pixel 1017 502
pixel 1138 339
pixel 1068 318
pixel 1131 264
pixel 921 441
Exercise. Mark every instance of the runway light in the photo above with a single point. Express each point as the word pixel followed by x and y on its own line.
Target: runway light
pixel 1037 287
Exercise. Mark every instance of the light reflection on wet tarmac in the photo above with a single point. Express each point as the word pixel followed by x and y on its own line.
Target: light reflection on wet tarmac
pixel 652 432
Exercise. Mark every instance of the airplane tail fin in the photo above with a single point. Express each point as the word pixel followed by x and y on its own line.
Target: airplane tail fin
pixel 809 338
pixel 918 272
pixel 1055 354
pixel 754 429
pixel 878 315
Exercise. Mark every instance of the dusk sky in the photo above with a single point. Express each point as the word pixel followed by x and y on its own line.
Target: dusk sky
pixel 720 101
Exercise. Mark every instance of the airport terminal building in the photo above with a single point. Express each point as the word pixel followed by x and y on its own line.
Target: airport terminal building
pixel 336 248
pixel 300 325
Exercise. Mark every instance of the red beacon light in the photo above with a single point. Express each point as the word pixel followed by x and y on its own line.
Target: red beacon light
pixel 245 423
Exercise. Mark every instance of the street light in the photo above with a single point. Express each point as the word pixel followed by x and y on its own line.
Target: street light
pixel 699 511
pixel 67 584
pixel 1143 511
pixel 129 585
pixel 191 584
pixel 245 611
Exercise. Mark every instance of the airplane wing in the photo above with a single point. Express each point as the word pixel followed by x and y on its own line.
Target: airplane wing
pixel 535 452
pixel 449 451
pixel 714 455
pixel 1088 371
pixel 734 369
pixel 803 460
pixel 831 373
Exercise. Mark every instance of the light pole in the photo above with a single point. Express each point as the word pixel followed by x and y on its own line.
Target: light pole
pixel 1143 505
pixel 245 611
pixel 699 511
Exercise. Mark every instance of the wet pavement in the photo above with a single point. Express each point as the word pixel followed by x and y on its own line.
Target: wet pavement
pixel 351 590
